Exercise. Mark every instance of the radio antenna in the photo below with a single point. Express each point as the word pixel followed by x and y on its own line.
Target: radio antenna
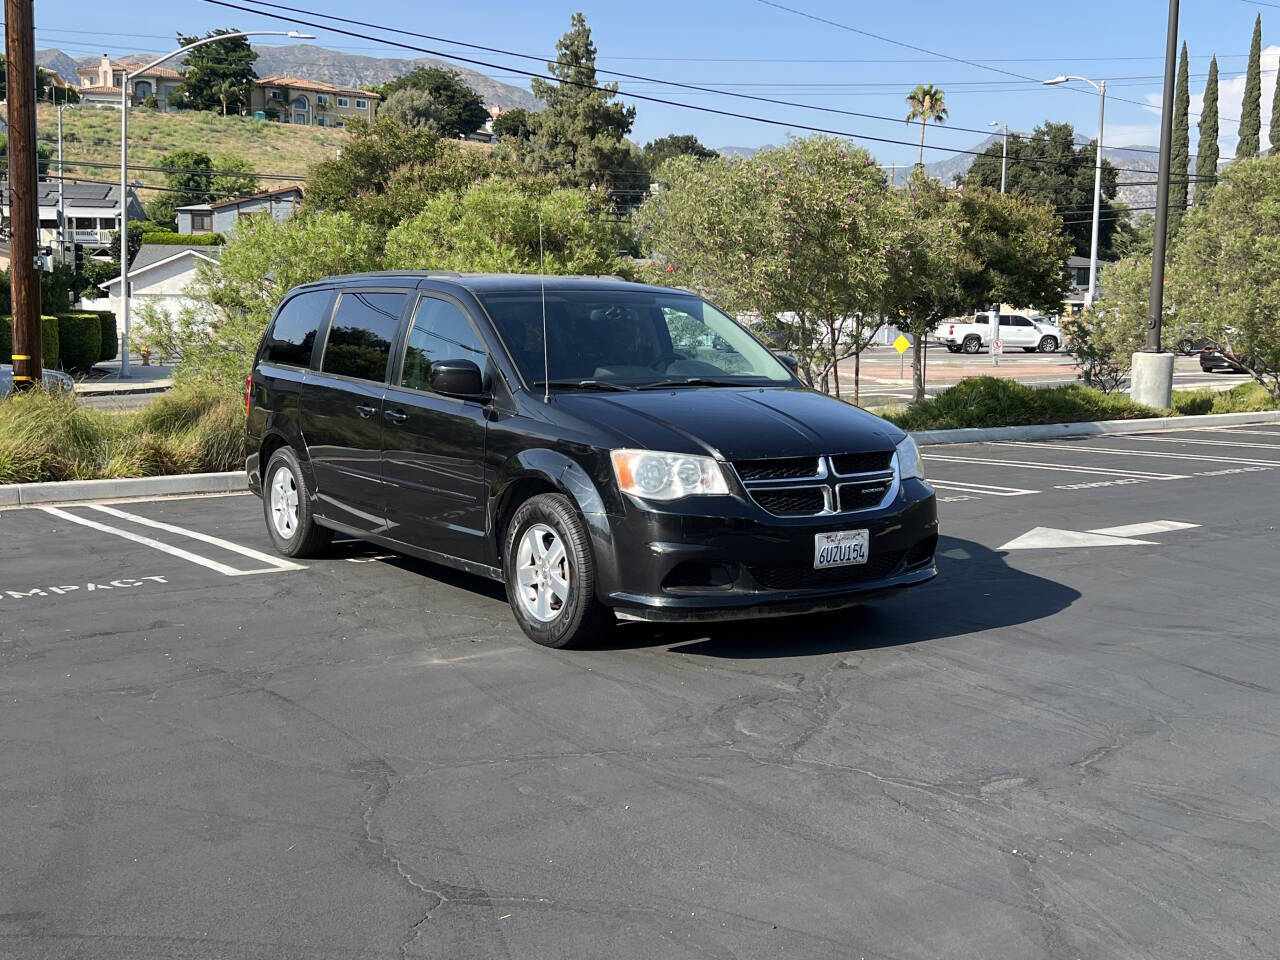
pixel 542 278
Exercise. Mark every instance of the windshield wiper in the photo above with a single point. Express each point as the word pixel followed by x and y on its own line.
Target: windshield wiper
pixel 691 382
pixel 583 384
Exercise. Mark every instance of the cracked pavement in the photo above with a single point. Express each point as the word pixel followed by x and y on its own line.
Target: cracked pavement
pixel 1043 754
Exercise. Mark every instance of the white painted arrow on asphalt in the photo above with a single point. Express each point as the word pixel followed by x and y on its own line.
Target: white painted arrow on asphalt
pixel 1051 538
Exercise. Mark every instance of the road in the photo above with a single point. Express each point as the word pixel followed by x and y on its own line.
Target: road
pixel 1065 746
pixel 886 378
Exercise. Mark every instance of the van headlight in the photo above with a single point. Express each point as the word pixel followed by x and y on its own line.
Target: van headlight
pixel 909 463
pixel 655 475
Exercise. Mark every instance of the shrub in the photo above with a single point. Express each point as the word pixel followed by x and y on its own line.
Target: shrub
pixel 168 237
pixel 79 341
pixel 109 341
pixel 48 340
pixel 46 436
pixel 991 402
pixel 1245 398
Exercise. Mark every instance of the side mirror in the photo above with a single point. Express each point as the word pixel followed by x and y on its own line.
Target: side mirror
pixel 792 363
pixel 457 378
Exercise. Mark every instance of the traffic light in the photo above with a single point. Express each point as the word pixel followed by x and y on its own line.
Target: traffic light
pixel 79 258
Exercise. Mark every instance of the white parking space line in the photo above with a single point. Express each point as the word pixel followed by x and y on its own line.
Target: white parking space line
pixel 992 489
pixel 1055 467
pixel 1161 454
pixel 1145 529
pixel 222 568
pixel 278 562
pixel 1211 443
pixel 1260 432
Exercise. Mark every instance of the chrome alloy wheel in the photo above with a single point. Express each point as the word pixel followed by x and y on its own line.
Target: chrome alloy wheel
pixel 284 503
pixel 542 573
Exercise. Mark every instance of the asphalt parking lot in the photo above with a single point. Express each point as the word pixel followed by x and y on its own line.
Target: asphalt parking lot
pixel 1067 746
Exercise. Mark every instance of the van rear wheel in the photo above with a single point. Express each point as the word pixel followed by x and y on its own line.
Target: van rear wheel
pixel 550 574
pixel 286 503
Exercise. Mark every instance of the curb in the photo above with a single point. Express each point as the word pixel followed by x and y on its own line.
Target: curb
pixel 1098 428
pixel 71 491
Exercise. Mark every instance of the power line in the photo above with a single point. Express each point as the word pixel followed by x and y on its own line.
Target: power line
pixel 577 83
pixel 972 63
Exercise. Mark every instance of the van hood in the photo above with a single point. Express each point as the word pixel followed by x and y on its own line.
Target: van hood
pixel 732 423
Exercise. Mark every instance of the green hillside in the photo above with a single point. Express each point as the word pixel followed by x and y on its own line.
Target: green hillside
pixel 93 135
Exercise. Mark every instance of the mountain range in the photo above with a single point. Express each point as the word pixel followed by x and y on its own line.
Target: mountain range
pixel 310 62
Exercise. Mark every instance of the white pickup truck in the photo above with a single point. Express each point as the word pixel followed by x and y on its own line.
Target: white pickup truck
pixel 972 334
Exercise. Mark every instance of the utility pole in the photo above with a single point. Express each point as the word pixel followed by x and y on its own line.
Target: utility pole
pixel 62 205
pixel 1152 368
pixel 1004 153
pixel 24 217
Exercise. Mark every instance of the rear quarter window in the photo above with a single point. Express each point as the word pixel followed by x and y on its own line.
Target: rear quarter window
pixel 292 337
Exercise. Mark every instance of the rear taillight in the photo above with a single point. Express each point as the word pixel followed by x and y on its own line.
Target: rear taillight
pixel 951 329
pixel 248 394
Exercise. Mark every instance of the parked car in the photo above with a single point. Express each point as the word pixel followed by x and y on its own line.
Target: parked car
pixel 973 334
pixel 1214 358
pixel 53 380
pixel 648 459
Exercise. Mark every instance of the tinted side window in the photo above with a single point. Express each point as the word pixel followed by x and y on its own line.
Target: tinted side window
pixel 440 331
pixel 1021 322
pixel 293 335
pixel 360 337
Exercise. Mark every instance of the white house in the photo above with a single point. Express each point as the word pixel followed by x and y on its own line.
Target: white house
pixel 92 212
pixel 161 275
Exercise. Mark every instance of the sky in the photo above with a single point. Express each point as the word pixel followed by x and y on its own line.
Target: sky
pixel 757 47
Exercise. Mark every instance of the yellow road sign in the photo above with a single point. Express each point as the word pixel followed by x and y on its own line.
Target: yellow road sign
pixel 902 344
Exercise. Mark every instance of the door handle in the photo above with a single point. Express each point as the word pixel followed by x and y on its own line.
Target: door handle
pixel 395 416
pixel 366 410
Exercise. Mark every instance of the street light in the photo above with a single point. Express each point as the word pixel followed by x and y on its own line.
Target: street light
pixel 1097 178
pixel 1004 156
pixel 124 163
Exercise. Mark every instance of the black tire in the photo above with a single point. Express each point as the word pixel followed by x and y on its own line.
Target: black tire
pixel 305 537
pixel 576 618
pixel 1048 344
pixel 972 343
pixel 953 348
pixel 1028 349
pixel 1185 346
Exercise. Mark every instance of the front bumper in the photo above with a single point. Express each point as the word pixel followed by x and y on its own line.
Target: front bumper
pixel 674 567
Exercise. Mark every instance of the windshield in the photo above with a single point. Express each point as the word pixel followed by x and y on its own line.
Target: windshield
pixel 629 338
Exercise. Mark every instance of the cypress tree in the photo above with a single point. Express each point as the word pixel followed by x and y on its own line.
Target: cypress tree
pixel 1251 109
pixel 1180 157
pixel 1275 120
pixel 1207 148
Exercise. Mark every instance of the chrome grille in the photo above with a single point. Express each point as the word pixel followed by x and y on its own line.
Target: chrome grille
pixel 820 486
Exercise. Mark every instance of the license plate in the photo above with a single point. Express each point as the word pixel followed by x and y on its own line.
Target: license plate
pixel 844 548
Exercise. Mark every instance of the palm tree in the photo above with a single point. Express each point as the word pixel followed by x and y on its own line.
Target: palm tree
pixel 229 91
pixel 927 103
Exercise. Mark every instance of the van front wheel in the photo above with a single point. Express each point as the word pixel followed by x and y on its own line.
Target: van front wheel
pixel 550 574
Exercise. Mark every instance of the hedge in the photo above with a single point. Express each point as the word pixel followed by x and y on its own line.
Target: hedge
pixel 108 337
pixel 169 238
pixel 48 340
pixel 79 340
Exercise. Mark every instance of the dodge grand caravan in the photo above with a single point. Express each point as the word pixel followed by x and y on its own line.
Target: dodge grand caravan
pixel 647 459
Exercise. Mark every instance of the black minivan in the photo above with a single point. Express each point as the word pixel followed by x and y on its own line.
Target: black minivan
pixel 647 458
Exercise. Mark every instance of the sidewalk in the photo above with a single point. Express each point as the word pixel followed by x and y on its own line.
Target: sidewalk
pixel 105 380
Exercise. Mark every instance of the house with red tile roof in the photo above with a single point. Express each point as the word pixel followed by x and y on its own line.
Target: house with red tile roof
pixel 311 102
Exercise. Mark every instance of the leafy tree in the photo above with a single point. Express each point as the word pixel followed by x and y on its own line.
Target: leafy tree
pixel 926 102
pixel 1180 157
pixel 456 109
pixel 1207 148
pixel 136 229
pixel 1226 266
pixel 1134 236
pixel 218 334
pixel 1049 167
pixel 799 237
pixel 1251 108
pixel 414 108
pixel 387 172
pixel 967 249
pixel 656 152
pixel 492 227
pixel 579 137
pixel 513 124
pixel 232 177
pixel 1104 339
pixel 218 73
